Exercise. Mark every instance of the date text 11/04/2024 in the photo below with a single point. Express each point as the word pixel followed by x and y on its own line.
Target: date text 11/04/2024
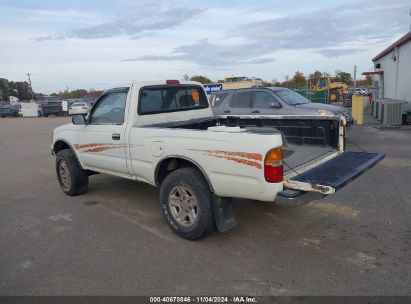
pixel 204 299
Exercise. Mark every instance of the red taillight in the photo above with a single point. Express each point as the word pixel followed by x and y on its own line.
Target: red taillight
pixel 172 81
pixel 273 174
pixel 273 166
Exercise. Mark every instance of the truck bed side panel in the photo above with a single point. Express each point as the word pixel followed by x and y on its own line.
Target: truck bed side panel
pixel 233 162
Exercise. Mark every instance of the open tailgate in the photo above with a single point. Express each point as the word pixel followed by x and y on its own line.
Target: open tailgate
pixel 327 177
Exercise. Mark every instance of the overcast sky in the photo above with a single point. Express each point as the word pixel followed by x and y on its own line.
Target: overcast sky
pixel 100 43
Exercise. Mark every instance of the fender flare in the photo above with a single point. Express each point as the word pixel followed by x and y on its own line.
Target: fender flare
pixel 71 147
pixel 193 162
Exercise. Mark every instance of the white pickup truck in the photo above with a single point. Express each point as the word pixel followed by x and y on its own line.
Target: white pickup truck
pixel 164 133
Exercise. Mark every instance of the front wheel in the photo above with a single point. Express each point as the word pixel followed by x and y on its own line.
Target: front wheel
pixel 72 178
pixel 185 200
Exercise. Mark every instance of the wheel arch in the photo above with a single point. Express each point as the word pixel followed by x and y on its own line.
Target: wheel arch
pixel 62 144
pixel 172 163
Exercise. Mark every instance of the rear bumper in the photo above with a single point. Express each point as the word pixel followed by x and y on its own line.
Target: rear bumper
pixel 293 198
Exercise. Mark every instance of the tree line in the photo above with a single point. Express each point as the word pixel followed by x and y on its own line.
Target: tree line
pixel 299 80
pixel 78 93
pixel 19 89
pixel 22 90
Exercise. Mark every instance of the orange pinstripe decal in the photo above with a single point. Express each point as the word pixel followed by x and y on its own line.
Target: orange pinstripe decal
pixel 254 156
pixel 245 158
pixel 95 147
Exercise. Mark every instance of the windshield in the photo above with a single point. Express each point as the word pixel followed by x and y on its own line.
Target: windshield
pixel 290 97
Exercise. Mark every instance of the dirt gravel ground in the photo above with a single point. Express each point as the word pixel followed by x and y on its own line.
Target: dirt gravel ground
pixel 114 241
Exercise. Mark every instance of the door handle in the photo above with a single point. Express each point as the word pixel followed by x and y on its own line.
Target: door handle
pixel 227 111
pixel 255 111
pixel 115 136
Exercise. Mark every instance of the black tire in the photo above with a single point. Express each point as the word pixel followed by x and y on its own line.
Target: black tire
pixel 192 180
pixel 77 181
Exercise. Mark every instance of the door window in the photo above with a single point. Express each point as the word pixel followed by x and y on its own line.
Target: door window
pixel 241 100
pixel 110 109
pixel 264 100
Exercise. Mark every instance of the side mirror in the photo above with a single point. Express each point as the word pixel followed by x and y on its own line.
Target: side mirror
pixel 79 120
pixel 275 105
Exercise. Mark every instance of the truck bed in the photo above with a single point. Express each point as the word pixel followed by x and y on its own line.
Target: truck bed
pixel 305 139
pixel 295 156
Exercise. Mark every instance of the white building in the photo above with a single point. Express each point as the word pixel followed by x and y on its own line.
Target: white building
pixel 393 66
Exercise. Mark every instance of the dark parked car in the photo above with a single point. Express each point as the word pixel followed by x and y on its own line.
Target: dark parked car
pixel 271 101
pixel 8 110
pixel 50 108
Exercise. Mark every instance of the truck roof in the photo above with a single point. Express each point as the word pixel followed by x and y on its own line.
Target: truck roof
pixel 157 82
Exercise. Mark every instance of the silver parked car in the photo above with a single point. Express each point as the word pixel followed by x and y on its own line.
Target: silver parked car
pixel 271 101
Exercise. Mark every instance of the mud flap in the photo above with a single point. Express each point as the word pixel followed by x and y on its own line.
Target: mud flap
pixel 223 213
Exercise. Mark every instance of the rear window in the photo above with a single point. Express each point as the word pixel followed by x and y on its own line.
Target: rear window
pixel 158 99
pixel 217 99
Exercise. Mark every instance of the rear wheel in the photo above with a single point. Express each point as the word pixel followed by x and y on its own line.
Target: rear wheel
pixel 185 200
pixel 72 178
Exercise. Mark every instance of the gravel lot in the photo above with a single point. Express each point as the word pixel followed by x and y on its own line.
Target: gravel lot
pixel 114 241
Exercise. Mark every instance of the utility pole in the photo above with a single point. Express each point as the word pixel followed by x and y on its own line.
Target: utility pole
pixel 286 80
pixel 355 76
pixel 31 88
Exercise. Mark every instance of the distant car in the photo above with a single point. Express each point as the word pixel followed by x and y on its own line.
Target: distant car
pixel 8 110
pixel 48 108
pixel 79 108
pixel 361 91
pixel 271 101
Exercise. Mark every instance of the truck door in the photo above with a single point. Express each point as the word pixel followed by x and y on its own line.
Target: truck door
pixel 102 141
